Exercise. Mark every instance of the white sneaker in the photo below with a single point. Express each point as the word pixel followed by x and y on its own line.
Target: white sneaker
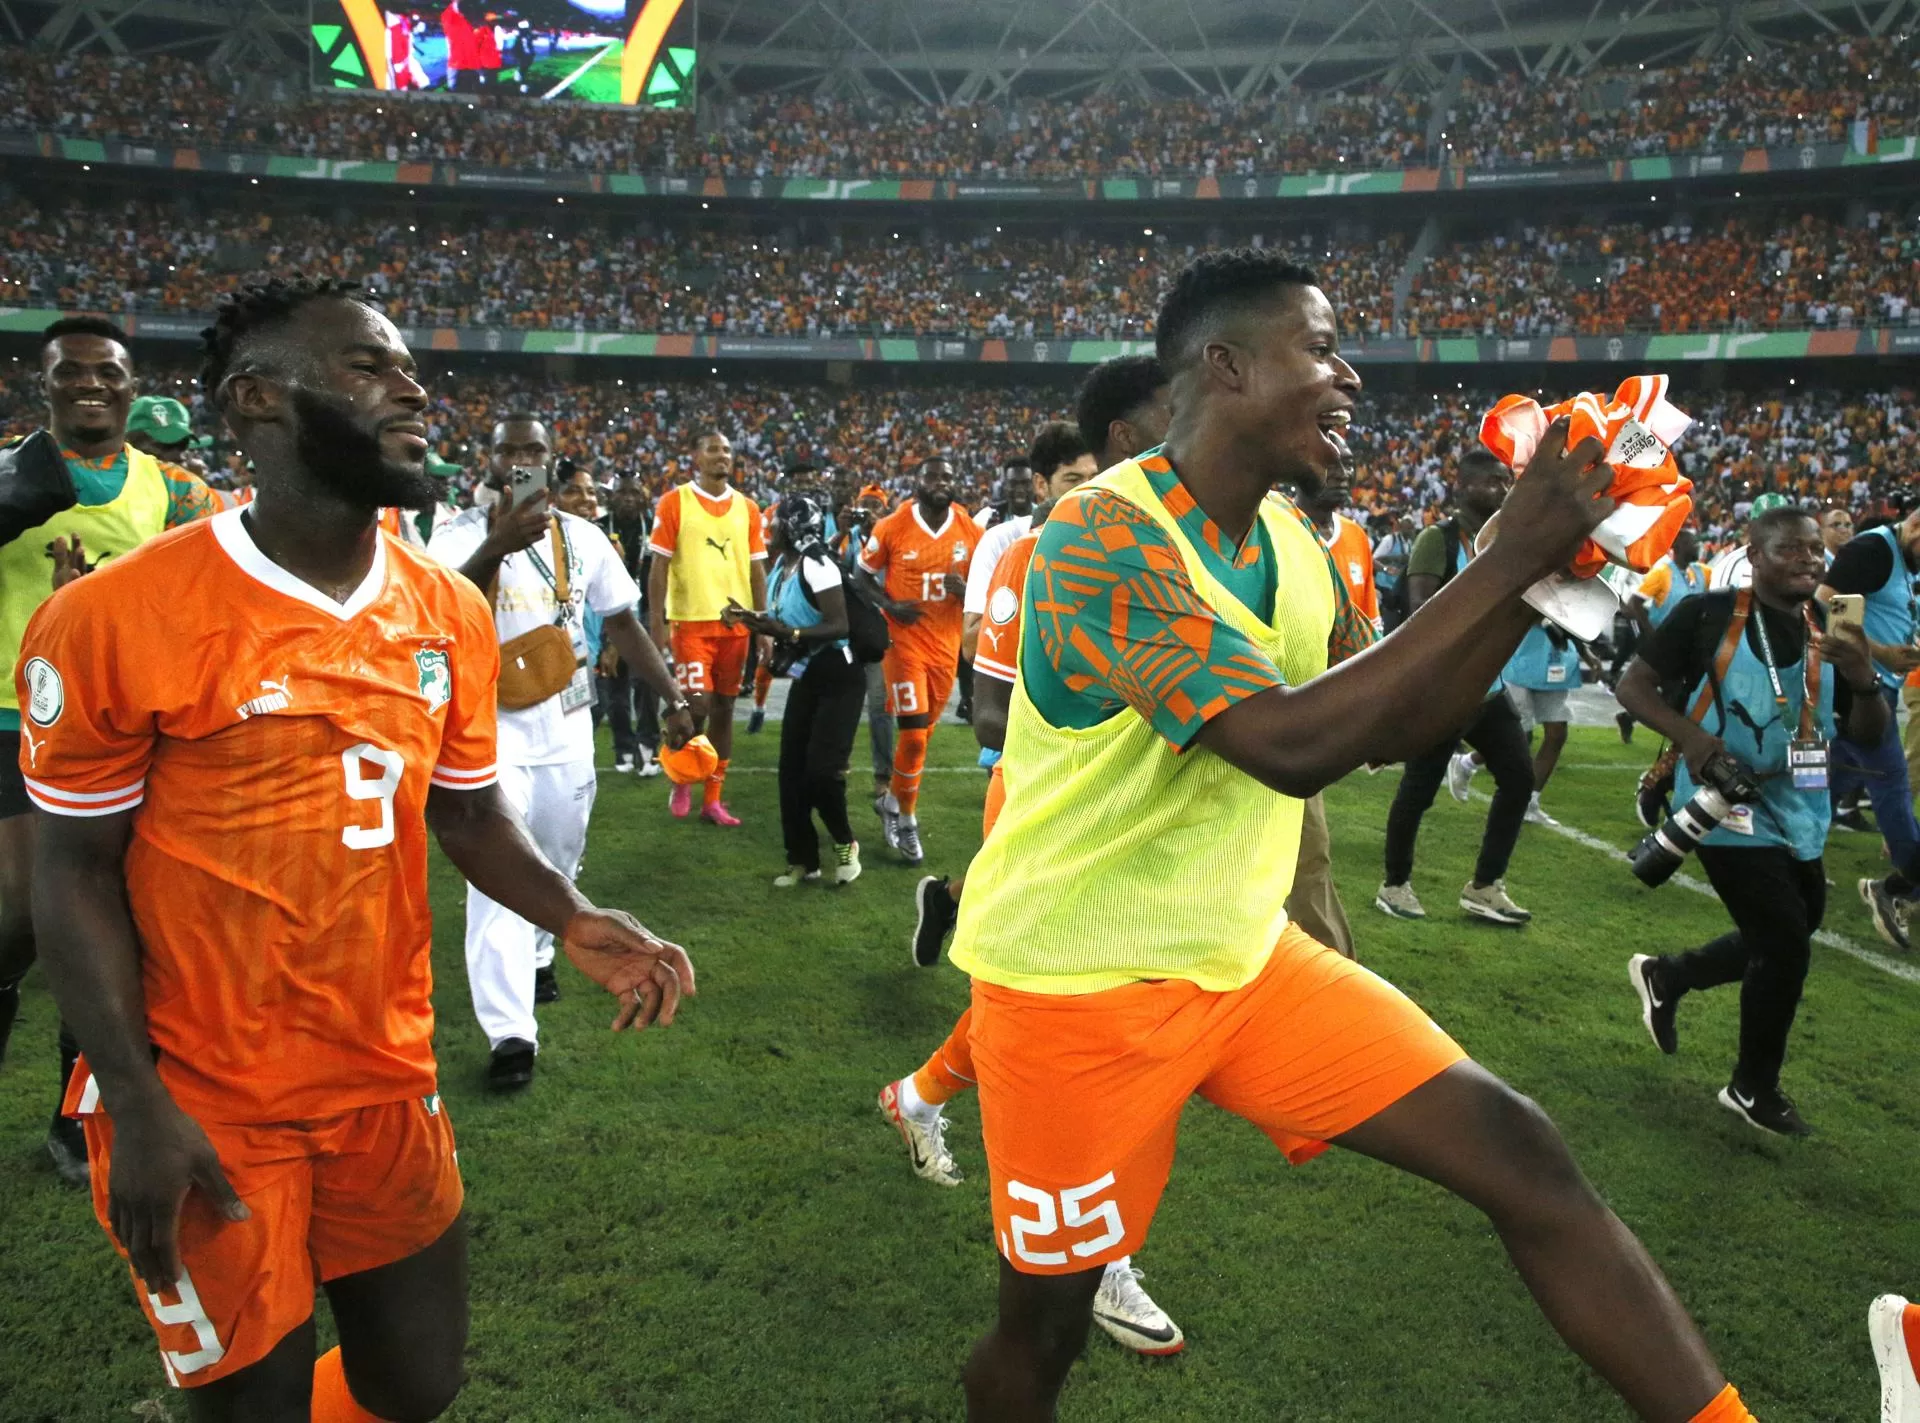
pixel 649 767
pixel 889 811
pixel 847 870
pixel 1460 771
pixel 1899 1386
pixel 1400 901
pixel 1537 816
pixel 926 1139
pixel 1126 1312
pixel 1490 902
pixel 795 876
pixel 623 765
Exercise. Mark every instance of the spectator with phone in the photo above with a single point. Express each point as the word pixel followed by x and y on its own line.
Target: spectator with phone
pixel 1881 566
pixel 542 569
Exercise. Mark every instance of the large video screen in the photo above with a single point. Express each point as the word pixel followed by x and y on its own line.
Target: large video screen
pixel 565 51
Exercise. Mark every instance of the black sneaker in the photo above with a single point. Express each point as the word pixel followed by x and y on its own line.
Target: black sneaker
pixel 511 1066
pixel 9 1010
pixel 1770 1110
pixel 1889 913
pixel 1854 819
pixel 1624 720
pixel 965 710
pixel 546 985
pixel 934 921
pixel 1656 1001
pixel 756 719
pixel 67 1145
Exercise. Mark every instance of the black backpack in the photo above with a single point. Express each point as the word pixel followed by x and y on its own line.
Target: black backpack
pixel 867 637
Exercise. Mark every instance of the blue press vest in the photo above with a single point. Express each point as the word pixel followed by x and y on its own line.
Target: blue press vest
pixel 1889 617
pixel 1797 820
pixel 1683 584
pixel 787 601
pixel 1538 666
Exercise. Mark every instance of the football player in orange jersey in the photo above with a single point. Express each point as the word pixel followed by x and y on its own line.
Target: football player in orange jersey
pixel 914 566
pixel 239 737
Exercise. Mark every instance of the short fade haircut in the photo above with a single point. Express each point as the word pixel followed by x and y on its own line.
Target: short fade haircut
pixel 1478 454
pixel 1114 390
pixel 709 432
pixel 83 326
pixel 1057 443
pixel 520 417
pixel 1217 282
pixel 1762 527
pixel 260 307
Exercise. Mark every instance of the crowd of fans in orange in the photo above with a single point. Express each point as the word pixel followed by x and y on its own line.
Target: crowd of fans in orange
pixel 1785 96
pixel 1730 275
pixel 143 256
pixel 1821 446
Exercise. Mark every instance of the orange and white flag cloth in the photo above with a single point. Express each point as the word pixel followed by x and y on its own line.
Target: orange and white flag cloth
pixel 1639 427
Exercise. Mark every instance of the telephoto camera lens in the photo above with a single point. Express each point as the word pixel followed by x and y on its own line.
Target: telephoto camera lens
pixel 1657 856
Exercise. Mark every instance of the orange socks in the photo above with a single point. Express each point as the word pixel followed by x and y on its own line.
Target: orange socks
pixel 1910 1326
pixel 762 684
pixel 909 760
pixel 949 1071
pixel 1725 1408
pixel 332 1403
pixel 716 783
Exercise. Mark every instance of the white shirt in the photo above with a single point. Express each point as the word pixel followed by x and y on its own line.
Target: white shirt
pixel 1001 537
pixel 544 735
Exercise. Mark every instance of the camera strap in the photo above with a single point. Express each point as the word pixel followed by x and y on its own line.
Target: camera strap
pixel 1723 657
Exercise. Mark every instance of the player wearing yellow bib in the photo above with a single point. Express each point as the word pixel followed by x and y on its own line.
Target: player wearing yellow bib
pixel 1124 923
pixel 124 497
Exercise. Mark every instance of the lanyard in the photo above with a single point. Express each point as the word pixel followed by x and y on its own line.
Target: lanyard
pixel 1809 673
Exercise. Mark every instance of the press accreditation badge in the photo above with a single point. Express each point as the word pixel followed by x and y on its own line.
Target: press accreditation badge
pixel 1808 761
pixel 579 692
pixel 1556 674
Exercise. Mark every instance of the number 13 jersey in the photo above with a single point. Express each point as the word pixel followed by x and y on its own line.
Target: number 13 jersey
pixel 275 748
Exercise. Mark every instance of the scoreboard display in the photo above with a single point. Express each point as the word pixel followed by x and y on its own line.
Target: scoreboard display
pixel 635 52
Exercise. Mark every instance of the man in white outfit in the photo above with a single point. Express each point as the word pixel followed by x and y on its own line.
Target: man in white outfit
pixel 541 568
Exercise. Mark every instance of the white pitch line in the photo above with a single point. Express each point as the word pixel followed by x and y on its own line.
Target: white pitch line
pixel 1827 937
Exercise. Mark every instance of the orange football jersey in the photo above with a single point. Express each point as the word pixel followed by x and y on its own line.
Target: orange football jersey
pixel 1353 557
pixel 275 748
pixel 913 561
pixel 998 651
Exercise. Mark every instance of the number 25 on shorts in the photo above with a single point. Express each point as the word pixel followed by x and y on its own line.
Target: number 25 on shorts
pixel 1071 1214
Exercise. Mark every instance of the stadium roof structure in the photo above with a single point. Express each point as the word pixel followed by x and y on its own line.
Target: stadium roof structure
pixel 961 51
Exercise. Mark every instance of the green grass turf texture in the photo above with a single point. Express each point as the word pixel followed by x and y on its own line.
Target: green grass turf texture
pixel 712 1222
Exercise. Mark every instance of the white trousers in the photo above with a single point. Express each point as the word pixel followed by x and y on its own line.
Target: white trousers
pixel 502 948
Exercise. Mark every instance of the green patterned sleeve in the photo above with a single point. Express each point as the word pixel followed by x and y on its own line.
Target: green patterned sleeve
pixel 1115 614
pixel 188 497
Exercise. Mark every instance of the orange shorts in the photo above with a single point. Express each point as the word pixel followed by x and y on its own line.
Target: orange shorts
pixel 919 681
pixel 996 799
pixel 709 658
pixel 1080 1095
pixel 329 1198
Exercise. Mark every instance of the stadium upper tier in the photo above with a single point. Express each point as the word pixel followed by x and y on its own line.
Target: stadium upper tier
pixel 1712 274
pixel 1851 95
pixel 1855 448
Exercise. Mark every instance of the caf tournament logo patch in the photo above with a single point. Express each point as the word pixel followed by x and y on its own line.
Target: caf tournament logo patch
pixel 46 693
pixel 436 677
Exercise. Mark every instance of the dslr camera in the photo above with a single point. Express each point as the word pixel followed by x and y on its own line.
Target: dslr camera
pixel 1724 784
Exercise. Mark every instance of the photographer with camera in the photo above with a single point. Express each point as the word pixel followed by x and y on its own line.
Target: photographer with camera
pixel 1768 689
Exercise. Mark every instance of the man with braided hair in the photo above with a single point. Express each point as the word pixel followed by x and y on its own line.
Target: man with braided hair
pixel 242 734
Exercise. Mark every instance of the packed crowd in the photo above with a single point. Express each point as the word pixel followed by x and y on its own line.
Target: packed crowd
pixel 1819 446
pixel 1794 94
pixel 1733 276
pixel 144 257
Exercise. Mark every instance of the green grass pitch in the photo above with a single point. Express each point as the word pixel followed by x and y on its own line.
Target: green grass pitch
pixel 713 1223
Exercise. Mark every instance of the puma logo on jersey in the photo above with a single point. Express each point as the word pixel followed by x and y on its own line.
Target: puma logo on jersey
pixel 33 747
pixel 278 698
pixel 720 546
